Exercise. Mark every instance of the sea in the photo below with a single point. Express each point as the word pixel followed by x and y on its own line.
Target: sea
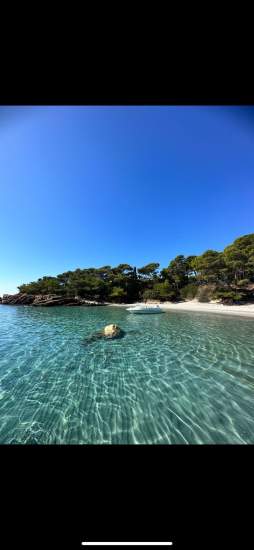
pixel 173 378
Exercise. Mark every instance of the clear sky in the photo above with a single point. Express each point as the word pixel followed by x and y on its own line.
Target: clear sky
pixel 90 186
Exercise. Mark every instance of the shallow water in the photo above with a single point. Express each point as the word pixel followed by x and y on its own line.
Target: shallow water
pixel 178 377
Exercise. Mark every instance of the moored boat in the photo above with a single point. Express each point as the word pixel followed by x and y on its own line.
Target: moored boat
pixel 144 309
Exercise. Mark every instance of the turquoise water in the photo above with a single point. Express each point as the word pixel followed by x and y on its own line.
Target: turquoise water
pixel 178 377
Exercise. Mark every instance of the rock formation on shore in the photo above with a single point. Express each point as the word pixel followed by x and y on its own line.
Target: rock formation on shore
pixel 17 299
pixel 46 300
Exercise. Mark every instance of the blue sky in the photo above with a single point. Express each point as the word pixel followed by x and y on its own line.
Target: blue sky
pixel 89 186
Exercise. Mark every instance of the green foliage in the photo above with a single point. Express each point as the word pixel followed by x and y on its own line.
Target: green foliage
pixel 229 295
pixel 189 291
pixel 160 291
pixel 125 269
pixel 209 266
pixel 178 271
pixel 149 270
pixel 149 294
pixel 205 293
pixel 117 294
pixel 46 285
pixel 243 282
pixel 239 258
pixel 185 277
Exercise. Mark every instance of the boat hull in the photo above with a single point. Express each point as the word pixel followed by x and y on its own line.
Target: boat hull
pixel 144 312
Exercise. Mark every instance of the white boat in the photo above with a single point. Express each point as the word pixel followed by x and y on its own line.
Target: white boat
pixel 144 309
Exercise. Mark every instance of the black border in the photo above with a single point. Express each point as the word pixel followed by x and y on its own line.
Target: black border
pixel 108 80
pixel 57 496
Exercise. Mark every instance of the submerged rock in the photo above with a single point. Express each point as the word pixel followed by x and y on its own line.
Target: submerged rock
pixel 111 331
pixel 108 332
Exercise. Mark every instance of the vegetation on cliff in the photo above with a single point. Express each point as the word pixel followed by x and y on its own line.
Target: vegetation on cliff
pixel 226 275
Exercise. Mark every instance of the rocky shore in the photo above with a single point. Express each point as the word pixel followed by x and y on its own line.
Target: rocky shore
pixel 45 300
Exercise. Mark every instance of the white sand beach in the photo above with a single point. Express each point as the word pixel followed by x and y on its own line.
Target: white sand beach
pixel 193 305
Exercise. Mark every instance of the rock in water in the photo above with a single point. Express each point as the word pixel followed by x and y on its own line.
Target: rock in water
pixel 111 331
pixel 108 332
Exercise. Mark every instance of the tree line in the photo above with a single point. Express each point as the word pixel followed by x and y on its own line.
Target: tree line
pixel 228 274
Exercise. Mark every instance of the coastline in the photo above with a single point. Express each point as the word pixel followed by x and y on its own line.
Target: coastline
pixel 199 307
pixel 245 310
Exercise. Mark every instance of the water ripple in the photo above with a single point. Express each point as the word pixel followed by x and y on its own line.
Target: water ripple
pixel 178 378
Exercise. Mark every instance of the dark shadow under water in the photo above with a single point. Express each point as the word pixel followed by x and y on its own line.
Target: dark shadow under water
pixel 98 336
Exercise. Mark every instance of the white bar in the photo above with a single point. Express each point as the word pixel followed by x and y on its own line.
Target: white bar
pixel 126 543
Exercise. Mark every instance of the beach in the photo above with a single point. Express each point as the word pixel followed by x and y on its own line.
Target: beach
pixel 195 306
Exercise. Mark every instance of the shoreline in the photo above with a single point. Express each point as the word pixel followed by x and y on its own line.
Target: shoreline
pixel 191 306
pixel 199 307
